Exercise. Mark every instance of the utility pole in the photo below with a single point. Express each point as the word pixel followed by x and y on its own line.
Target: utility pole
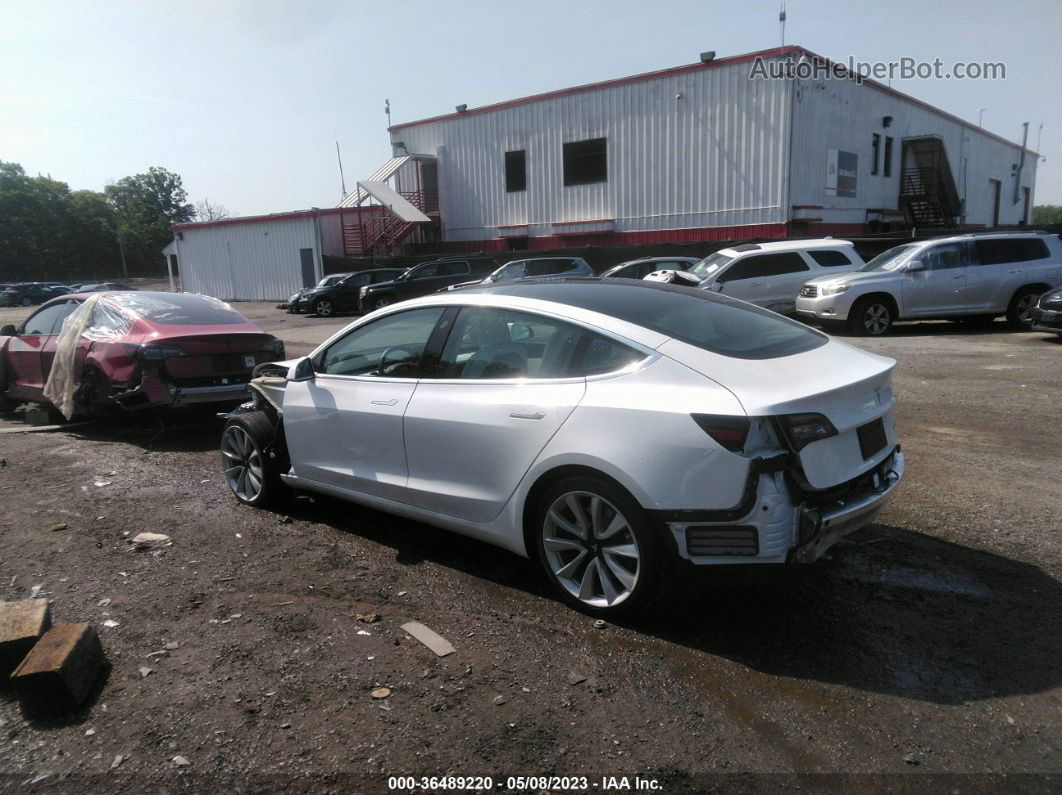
pixel 781 21
pixel 342 179
pixel 981 115
pixel 387 110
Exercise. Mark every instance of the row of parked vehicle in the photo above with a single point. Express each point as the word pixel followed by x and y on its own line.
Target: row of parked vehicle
pixel 971 278
pixel 33 293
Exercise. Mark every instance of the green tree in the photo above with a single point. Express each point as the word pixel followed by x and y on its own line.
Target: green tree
pixel 1044 214
pixel 147 205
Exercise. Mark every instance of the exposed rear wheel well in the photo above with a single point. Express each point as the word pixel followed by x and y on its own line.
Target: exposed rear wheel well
pixel 547 479
pixel 1040 286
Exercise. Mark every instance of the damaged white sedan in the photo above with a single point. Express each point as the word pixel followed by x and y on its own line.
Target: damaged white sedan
pixel 612 430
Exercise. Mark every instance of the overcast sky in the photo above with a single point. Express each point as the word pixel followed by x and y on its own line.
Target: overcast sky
pixel 244 99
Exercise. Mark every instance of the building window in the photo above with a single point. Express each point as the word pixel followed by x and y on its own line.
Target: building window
pixel 515 171
pixel 585 162
pixel 876 146
pixel 887 168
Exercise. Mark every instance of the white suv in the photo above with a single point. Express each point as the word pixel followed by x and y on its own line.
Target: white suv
pixel 766 274
pixel 964 277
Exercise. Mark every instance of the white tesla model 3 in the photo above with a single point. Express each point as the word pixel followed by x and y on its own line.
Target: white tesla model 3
pixel 609 429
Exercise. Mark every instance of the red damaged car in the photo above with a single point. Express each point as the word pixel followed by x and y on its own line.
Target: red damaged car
pixel 132 350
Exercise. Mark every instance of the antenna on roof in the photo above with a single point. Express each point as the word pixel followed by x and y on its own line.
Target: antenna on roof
pixel 781 21
pixel 342 179
pixel 387 110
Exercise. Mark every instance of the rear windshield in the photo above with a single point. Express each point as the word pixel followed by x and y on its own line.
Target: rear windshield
pixel 707 320
pixel 177 309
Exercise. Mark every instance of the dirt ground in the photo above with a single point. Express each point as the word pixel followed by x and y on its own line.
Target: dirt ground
pixel 925 654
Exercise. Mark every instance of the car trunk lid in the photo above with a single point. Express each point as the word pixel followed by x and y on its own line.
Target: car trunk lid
pixel 848 386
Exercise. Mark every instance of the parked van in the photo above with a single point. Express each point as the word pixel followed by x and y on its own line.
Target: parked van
pixel 766 274
pixel 963 277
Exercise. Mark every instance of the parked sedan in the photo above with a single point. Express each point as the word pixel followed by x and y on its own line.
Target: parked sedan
pixel 27 294
pixel 136 350
pixel 608 429
pixel 534 268
pixel 344 295
pixel 104 287
pixel 1047 314
pixel 292 304
pixel 424 279
pixel 640 268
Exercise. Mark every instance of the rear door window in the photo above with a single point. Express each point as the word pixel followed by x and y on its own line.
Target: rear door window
pixel 603 355
pixel 780 264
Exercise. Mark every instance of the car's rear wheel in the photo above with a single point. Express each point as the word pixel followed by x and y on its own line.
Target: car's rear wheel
pixel 382 301
pixel 597 547
pixel 324 307
pixel 1019 312
pixel 93 396
pixel 870 317
pixel 26 301
pixel 253 474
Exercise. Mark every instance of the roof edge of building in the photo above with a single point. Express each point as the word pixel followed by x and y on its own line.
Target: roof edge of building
pixel 774 52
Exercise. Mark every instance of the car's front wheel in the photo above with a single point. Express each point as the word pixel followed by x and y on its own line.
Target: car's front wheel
pixel 597 547
pixel 870 317
pixel 1019 312
pixel 247 459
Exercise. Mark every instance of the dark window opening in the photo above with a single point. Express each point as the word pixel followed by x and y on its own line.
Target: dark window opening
pixel 585 162
pixel 515 171
pixel 830 259
pixel 887 168
pixel 876 147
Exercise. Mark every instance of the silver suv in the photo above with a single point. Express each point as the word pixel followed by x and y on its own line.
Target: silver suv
pixel 765 274
pixel 964 277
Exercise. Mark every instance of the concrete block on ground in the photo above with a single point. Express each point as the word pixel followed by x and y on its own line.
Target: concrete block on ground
pixel 38 416
pixel 59 672
pixel 21 625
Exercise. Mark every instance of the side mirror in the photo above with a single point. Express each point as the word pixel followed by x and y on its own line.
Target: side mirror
pixel 915 265
pixel 8 330
pixel 302 371
pixel 520 332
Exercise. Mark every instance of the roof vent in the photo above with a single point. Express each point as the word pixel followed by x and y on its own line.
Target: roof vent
pixel 708 57
pixel 461 108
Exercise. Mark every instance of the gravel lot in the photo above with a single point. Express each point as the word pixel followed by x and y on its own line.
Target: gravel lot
pixel 925 653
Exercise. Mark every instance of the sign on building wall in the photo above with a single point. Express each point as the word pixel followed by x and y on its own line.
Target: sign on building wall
pixel 841 168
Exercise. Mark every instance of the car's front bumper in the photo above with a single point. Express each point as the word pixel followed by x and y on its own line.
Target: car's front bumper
pixel 825 307
pixel 1049 320
pixel 774 526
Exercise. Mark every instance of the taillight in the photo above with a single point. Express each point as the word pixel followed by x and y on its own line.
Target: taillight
pixel 155 353
pixel 728 431
pixel 275 346
pixel 803 429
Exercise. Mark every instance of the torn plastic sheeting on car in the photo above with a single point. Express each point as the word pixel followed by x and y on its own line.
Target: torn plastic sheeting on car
pixel 102 317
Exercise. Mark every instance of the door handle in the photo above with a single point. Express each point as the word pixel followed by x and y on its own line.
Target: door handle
pixel 530 415
pixel 1014 270
pixel 958 277
pixel 390 402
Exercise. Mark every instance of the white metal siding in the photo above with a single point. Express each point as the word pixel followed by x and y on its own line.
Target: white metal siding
pixel 841 114
pixel 256 261
pixel 717 156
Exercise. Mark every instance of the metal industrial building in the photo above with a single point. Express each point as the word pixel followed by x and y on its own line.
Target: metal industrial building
pixel 703 152
pixel 706 151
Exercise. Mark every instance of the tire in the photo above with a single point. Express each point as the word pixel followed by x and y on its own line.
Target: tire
pixel 324 308
pixel 26 301
pixel 578 567
pixel 1020 305
pixel 251 465
pixel 382 301
pixel 870 317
